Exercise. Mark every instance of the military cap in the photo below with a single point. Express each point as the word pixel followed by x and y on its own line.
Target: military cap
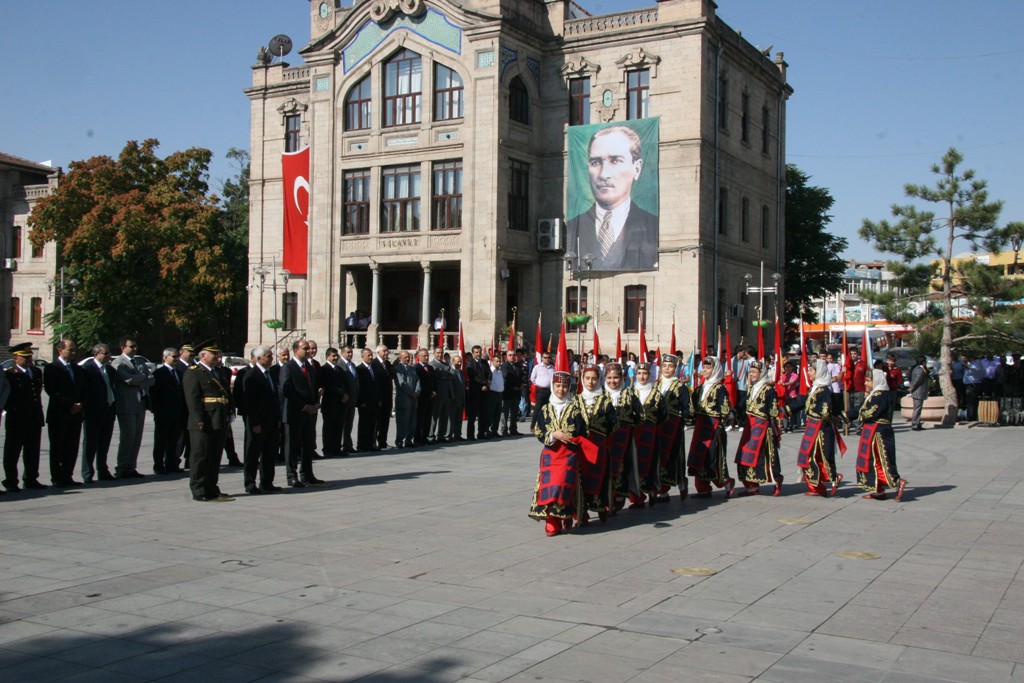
pixel 23 349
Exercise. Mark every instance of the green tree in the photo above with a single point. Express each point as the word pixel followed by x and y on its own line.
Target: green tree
pixel 967 214
pixel 234 231
pixel 814 267
pixel 143 236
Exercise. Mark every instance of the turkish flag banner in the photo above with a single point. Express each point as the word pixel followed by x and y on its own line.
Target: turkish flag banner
pixel 295 175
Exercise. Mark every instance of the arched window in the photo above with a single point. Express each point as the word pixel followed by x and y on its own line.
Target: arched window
pixel 403 89
pixel 447 93
pixel 357 105
pixel 518 101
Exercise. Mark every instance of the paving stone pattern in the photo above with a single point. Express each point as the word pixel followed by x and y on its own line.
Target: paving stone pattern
pixel 424 567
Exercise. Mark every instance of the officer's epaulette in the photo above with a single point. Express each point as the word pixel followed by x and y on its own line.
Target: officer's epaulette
pixel 192 367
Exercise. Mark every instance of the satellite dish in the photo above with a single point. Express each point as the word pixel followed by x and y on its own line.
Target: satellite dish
pixel 280 45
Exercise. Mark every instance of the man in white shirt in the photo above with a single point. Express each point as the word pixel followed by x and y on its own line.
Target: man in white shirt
pixel 493 398
pixel 541 377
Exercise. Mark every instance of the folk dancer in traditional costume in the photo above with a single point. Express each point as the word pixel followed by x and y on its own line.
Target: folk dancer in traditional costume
pixel 671 432
pixel 757 458
pixel 643 474
pixel 817 456
pixel 708 462
pixel 599 416
pixel 876 453
pixel 558 425
pixel 620 446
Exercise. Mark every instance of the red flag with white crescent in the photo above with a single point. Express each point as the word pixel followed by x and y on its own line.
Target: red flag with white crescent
pixel 295 176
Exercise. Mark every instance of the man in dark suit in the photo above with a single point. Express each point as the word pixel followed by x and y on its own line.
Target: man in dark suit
pixel 299 392
pixel 368 404
pixel 479 374
pixel 428 394
pixel 513 376
pixel 334 386
pixel 441 410
pixel 383 374
pixel 262 420
pixel 186 359
pixel 209 405
pixel 407 392
pixel 283 356
pixel 224 375
pixel 170 416
pixel 238 400
pixel 100 413
pixel 64 383
pixel 24 420
pixel 615 232
pixel 348 412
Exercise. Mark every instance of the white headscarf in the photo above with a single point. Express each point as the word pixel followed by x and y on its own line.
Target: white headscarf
pixel 879 382
pixel 559 403
pixel 822 377
pixel 717 372
pixel 766 379
pixel 590 396
pixel 644 390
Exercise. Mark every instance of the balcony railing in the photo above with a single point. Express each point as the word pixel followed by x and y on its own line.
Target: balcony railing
pixel 612 22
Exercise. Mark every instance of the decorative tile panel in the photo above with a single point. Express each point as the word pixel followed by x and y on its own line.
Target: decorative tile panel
pixel 506 58
pixel 432 26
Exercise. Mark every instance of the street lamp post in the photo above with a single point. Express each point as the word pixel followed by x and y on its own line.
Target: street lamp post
pixel 262 272
pixel 60 290
pixel 574 262
pixel 761 290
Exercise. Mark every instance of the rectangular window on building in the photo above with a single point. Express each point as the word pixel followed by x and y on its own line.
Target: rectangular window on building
pixel 723 103
pixel 358 106
pixel 634 307
pixel 292 129
pixel 357 202
pixel 16 242
pixel 447 200
pixel 35 318
pixel 290 310
pixel 400 205
pixel 638 94
pixel 518 101
pixel 745 220
pixel 723 212
pixel 766 120
pixel 765 226
pixel 518 195
pixel 575 302
pixel 447 93
pixel 745 117
pixel 37 252
pixel 403 89
pixel 15 313
pixel 579 101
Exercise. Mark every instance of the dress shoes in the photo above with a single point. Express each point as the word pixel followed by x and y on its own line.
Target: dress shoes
pixel 105 475
pixel 234 462
pixel 159 470
pixel 296 484
pixel 87 480
pixel 253 489
pixel 12 488
pixel 220 498
pixel 174 470
pixel 35 484
pixel 269 488
pixel 313 481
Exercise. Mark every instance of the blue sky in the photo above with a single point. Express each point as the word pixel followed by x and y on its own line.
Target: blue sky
pixel 882 87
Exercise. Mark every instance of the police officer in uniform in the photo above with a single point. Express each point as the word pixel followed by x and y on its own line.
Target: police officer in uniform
pixel 24 420
pixel 209 405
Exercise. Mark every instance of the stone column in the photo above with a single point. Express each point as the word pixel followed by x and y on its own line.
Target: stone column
pixel 373 330
pixel 426 322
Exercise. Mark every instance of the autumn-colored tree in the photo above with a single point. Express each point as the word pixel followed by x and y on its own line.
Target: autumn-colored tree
pixel 143 236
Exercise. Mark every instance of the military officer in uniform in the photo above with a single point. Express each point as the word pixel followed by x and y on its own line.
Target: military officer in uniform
pixel 209 406
pixel 24 420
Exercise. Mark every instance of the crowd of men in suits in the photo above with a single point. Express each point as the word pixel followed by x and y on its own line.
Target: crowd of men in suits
pixel 279 397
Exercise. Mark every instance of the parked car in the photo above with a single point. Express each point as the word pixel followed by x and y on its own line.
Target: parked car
pixel 234 364
pixel 149 364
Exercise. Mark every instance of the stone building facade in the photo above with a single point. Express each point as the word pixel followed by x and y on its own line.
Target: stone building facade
pixel 27 289
pixel 438 168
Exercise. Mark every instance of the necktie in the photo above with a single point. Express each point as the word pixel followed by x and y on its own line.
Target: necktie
pixel 305 372
pixel 270 380
pixel 106 380
pixel 71 374
pixel 604 234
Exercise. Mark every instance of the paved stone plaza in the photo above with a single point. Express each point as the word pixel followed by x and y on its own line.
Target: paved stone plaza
pixel 423 567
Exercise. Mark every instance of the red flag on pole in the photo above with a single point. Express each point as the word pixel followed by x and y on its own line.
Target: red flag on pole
pixel 597 344
pixel 462 349
pixel 618 344
pixel 760 341
pixel 512 333
pixel 805 385
pixel 672 339
pixel 440 334
pixel 562 357
pixel 295 177
pixel 538 342
pixel 643 342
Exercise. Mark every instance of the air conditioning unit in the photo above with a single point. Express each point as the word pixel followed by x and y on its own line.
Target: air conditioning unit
pixel 550 235
pixel 10 264
pixel 736 311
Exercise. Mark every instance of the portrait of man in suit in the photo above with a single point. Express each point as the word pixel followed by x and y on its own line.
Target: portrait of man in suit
pixel 615 230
